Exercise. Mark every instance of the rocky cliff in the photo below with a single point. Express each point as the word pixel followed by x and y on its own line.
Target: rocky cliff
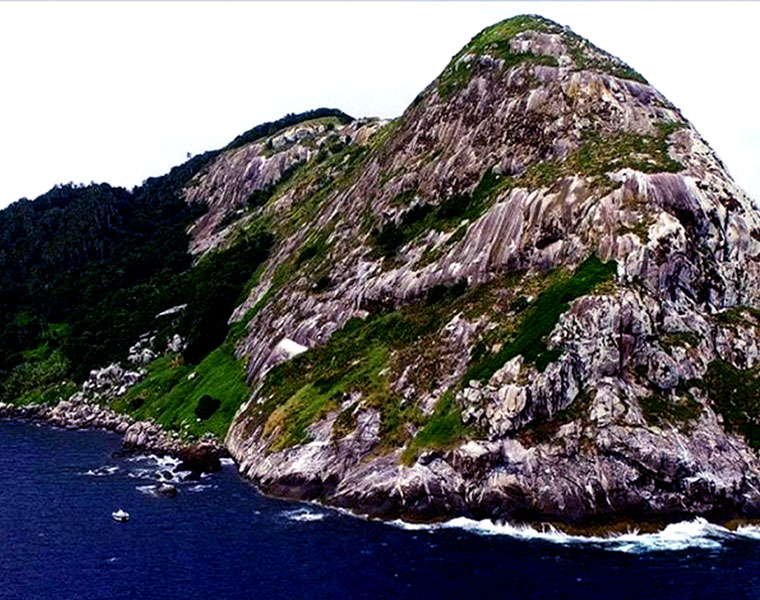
pixel 535 295
pixel 530 296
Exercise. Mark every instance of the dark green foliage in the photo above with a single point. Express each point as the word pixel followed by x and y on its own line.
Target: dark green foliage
pixel 519 304
pixel 447 215
pixel 599 155
pixel 494 41
pixel 262 196
pixel 96 257
pixel 206 407
pixel 443 430
pixel 172 398
pixel 344 423
pixel 315 249
pixel 105 261
pixel 388 239
pixel 739 315
pixel 670 410
pixel 213 288
pixel 322 284
pixel 302 389
pixel 269 128
pixel 541 318
pixel 736 395
pixel 441 292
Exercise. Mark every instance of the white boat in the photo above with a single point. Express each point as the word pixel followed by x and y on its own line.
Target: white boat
pixel 122 516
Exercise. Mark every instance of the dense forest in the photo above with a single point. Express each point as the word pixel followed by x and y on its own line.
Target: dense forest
pixel 84 270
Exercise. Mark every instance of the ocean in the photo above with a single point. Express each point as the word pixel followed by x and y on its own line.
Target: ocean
pixel 219 539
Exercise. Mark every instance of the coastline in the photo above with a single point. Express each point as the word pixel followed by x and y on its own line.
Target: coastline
pixel 201 456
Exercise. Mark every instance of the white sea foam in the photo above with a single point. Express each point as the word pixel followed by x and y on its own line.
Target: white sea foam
pixel 142 474
pixel 303 515
pixel 227 462
pixel 103 471
pixel 698 533
pixel 200 487
pixel 162 462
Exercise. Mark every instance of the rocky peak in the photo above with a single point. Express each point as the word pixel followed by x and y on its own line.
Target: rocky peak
pixel 519 297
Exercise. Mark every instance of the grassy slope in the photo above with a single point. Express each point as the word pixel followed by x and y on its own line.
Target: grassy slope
pixel 169 396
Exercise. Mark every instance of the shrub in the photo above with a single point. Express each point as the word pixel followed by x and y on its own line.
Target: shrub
pixel 206 407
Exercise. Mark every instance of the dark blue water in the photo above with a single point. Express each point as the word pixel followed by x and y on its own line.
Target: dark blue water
pixel 223 540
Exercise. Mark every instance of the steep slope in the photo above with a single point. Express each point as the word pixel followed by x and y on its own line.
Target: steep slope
pixel 531 296
pixel 534 295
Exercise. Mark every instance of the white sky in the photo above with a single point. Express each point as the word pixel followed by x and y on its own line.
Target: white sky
pixel 118 92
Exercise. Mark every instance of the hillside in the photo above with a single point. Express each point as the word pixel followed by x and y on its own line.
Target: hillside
pixel 534 295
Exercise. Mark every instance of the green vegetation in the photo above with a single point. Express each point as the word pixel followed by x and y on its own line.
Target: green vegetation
pixel 541 318
pixel 446 216
pixel 601 61
pixel 270 128
pixel 735 394
pixel 358 362
pixel 673 410
pixel 494 41
pixel 599 155
pixel 443 430
pixel 542 431
pixel 180 397
pixel 85 269
pixel 214 286
pixel 260 197
pixel 358 358
pixel 739 315
pixel 355 358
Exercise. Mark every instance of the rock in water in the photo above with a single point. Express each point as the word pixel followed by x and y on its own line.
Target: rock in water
pixel 167 489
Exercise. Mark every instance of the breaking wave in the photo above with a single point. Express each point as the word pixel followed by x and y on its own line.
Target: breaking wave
pixel 698 533
pixel 303 515
pixel 103 471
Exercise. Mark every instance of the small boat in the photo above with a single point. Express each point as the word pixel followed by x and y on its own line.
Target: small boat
pixel 122 516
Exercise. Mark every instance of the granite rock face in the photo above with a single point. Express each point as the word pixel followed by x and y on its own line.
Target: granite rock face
pixel 533 151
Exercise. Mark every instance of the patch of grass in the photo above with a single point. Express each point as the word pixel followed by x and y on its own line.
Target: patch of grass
pixel 739 315
pixel 446 216
pixel 169 395
pixel 49 396
pixel 541 318
pixel 735 393
pixel 303 389
pixel 541 432
pixel 494 41
pixel 597 59
pixel 442 431
pixel 673 410
pixel 680 338
pixel 599 155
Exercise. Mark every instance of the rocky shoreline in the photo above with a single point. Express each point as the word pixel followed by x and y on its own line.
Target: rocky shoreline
pixel 201 456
